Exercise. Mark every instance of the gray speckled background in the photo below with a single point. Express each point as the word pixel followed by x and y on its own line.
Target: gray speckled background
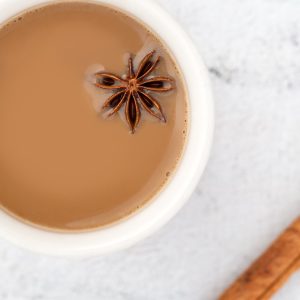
pixel 250 190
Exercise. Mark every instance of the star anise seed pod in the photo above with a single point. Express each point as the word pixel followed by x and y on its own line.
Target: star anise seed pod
pixel 134 91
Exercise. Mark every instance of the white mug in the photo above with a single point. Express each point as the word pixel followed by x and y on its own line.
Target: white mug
pixel 167 202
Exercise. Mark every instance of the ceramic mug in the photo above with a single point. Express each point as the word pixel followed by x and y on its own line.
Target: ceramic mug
pixel 167 202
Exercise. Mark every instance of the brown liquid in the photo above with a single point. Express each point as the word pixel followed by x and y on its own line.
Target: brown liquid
pixel 62 165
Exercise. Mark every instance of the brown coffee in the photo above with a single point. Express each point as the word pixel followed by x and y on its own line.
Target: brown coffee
pixel 63 164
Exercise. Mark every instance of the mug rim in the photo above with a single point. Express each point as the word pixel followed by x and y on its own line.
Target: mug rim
pixel 187 174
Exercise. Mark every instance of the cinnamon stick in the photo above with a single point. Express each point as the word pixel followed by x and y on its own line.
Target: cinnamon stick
pixel 269 272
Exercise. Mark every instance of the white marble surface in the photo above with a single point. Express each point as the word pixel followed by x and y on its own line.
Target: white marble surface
pixel 250 190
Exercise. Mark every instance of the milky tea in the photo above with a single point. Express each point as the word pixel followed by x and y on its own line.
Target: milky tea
pixel 64 163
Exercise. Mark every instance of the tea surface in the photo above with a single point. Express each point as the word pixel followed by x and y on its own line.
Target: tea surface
pixel 62 164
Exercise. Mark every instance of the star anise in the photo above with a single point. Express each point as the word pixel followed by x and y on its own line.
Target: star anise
pixel 134 91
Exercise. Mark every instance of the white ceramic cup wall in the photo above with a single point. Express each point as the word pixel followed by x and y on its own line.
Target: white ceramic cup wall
pixel 175 194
